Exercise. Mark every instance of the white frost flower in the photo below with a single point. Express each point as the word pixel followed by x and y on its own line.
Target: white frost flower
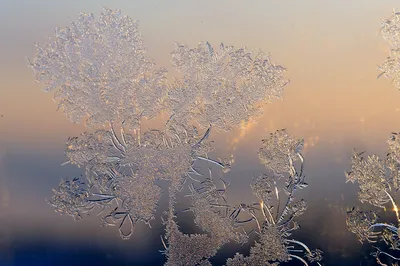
pixel 100 71
pixel 223 87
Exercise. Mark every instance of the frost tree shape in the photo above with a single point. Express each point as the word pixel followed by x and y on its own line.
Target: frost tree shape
pixel 390 30
pixel 100 72
pixel 378 180
pixel 274 245
pixel 222 87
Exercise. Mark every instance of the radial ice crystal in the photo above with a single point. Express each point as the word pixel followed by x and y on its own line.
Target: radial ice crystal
pixel 390 30
pixel 222 87
pixel 279 150
pixel 100 71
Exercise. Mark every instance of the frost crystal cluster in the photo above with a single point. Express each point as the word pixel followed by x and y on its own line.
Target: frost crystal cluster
pixel 71 198
pixel 390 30
pixel 378 180
pixel 274 245
pixel 279 150
pixel 222 87
pixel 187 249
pixel 122 172
pixel 157 155
pixel 100 71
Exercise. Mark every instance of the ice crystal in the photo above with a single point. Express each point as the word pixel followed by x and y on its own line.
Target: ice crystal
pixel 315 255
pixel 139 196
pixel 378 180
pixel 278 150
pixel 122 170
pixel 167 155
pixel 211 213
pixel 136 200
pixel 71 198
pixel 264 187
pixel 273 245
pixel 221 221
pixel 191 249
pixel 222 87
pixel 100 70
pixel 390 30
pixel 394 146
pixel 240 260
pixel 359 223
pixel 101 74
pixel 374 176
pixel 183 249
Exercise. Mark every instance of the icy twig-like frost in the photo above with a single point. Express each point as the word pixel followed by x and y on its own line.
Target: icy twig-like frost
pixel 360 223
pixel 371 175
pixel 378 180
pixel 126 170
pixel 100 71
pixel 211 213
pixel 222 87
pixel 71 198
pixel 390 30
pixel 273 245
pixel 167 155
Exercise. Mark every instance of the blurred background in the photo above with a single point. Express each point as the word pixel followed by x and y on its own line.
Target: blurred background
pixel 331 50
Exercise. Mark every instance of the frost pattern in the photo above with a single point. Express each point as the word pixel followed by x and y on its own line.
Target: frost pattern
pixel 274 245
pixel 390 30
pixel 378 180
pixel 213 215
pixel 359 223
pixel 279 150
pixel 122 172
pixel 222 87
pixel 167 155
pixel 71 198
pixel 184 249
pixel 100 71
